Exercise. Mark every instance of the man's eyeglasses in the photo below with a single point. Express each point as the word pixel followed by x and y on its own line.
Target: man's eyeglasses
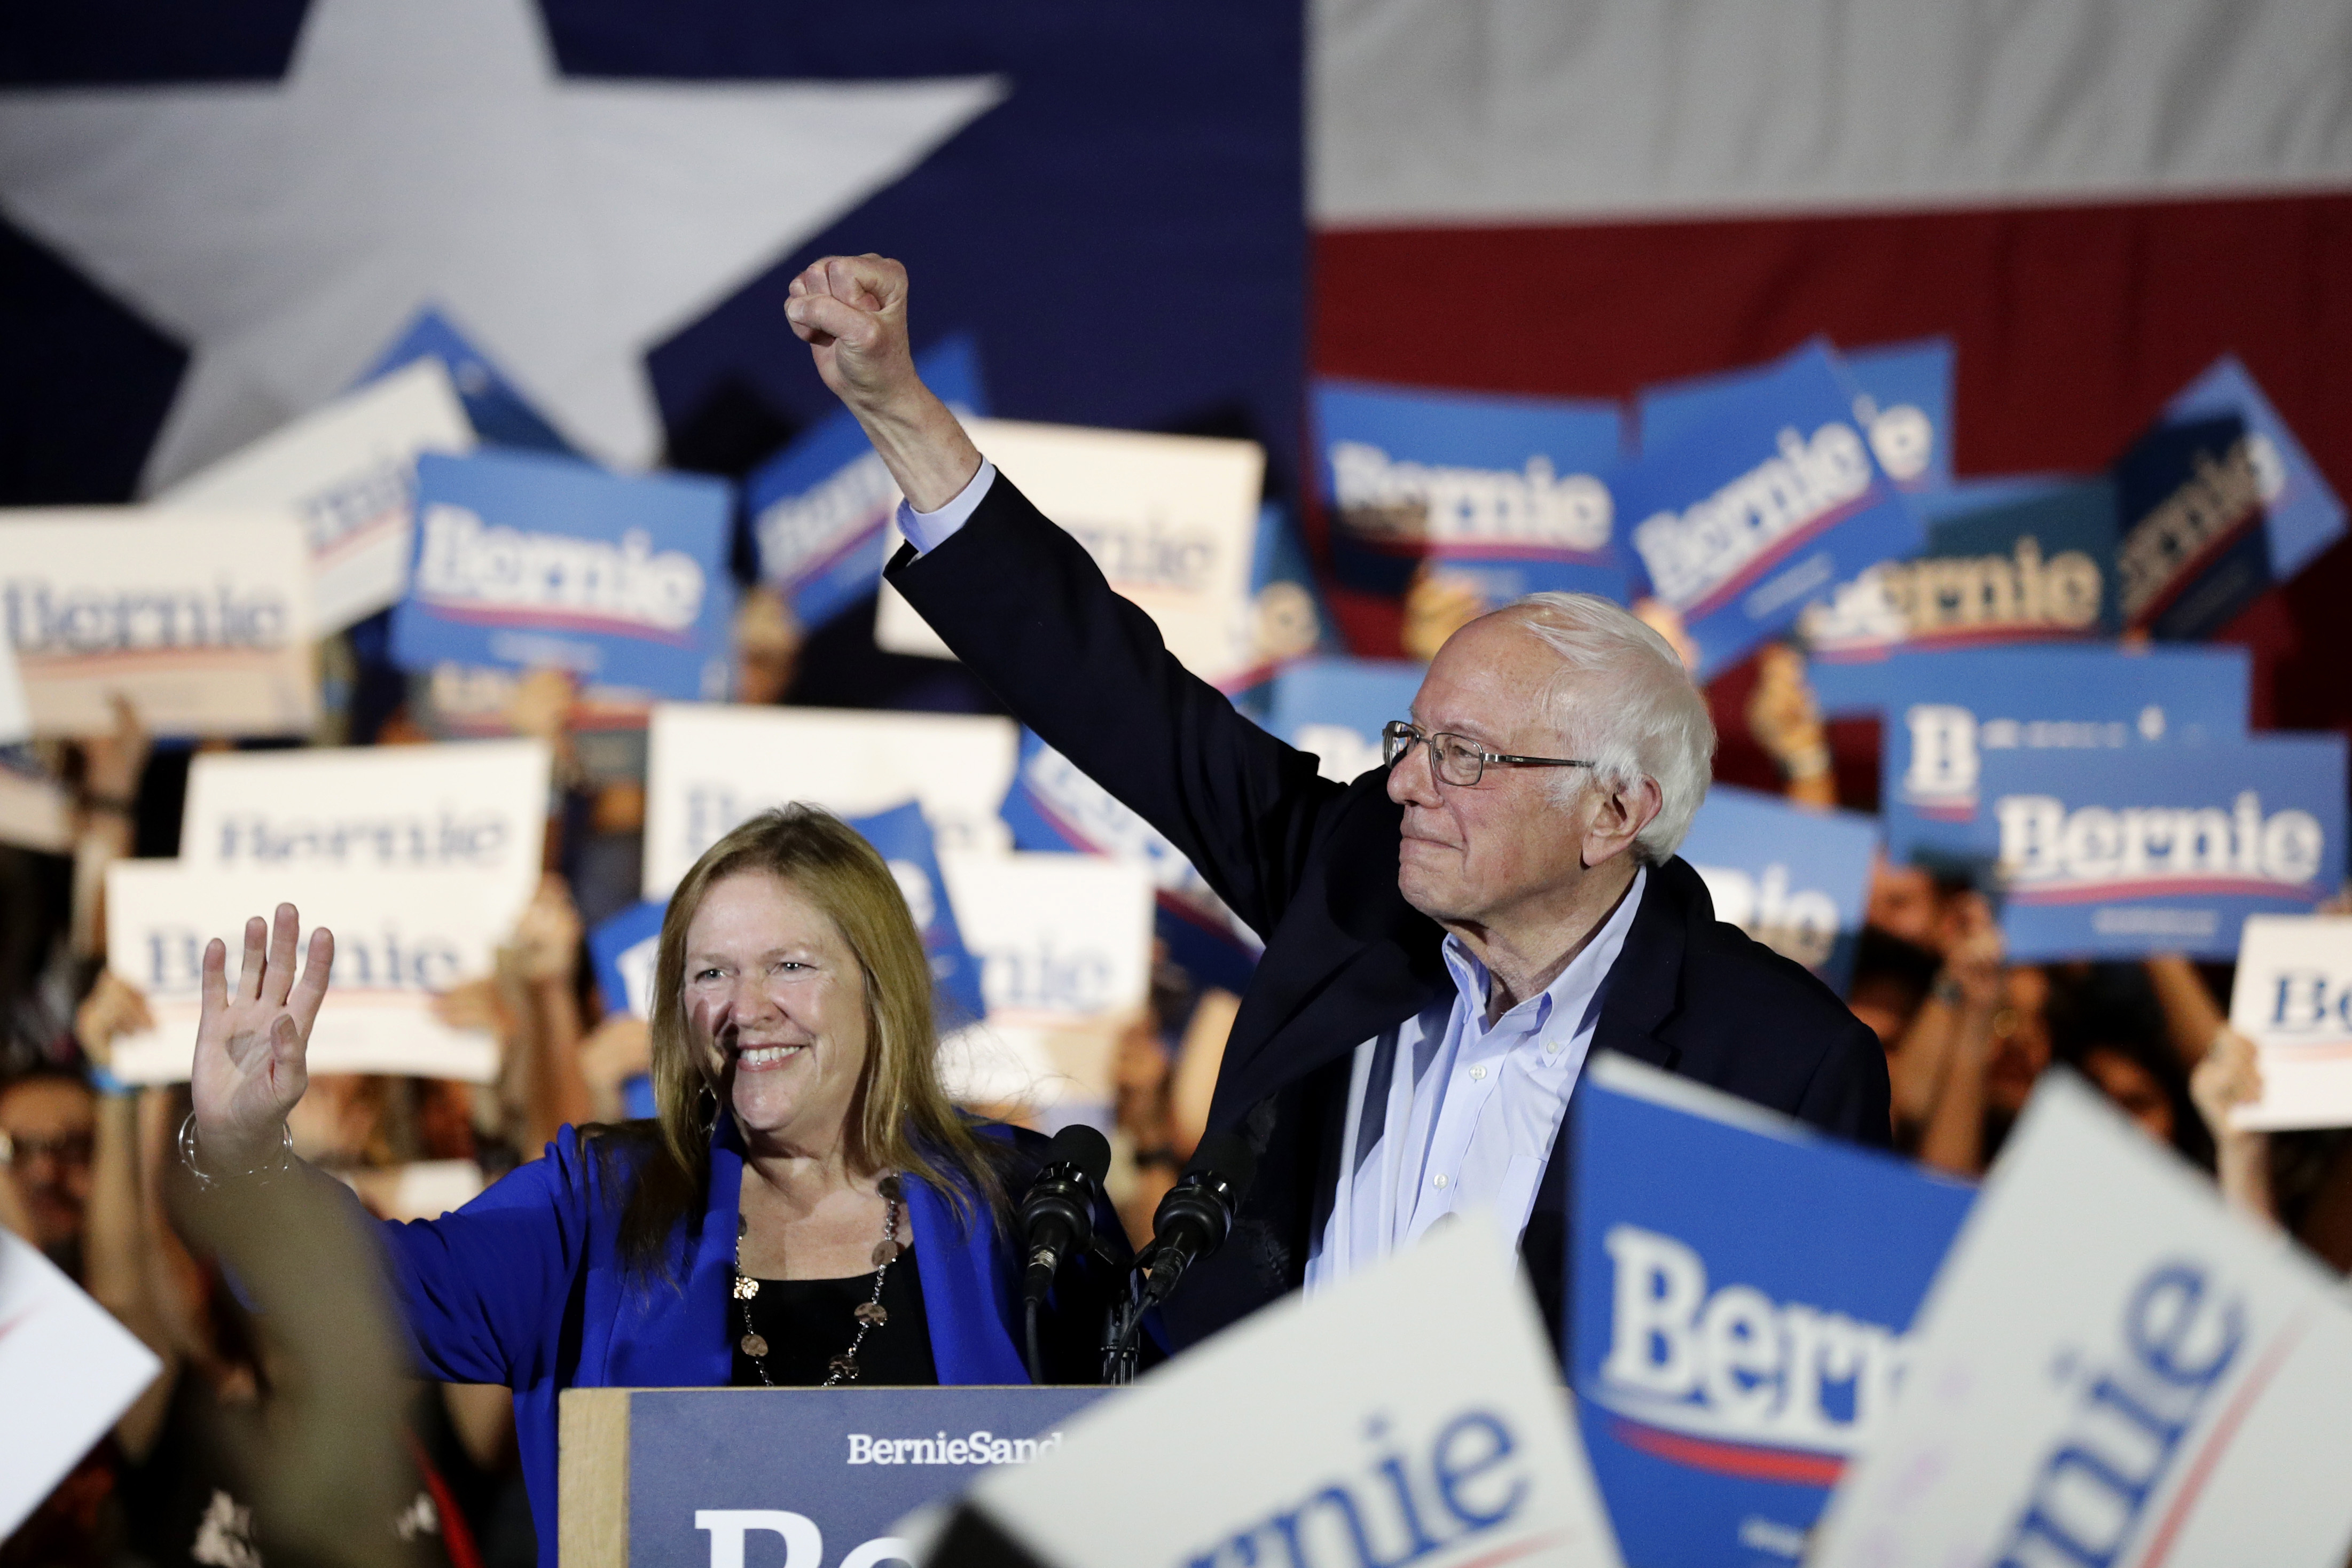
pixel 1458 760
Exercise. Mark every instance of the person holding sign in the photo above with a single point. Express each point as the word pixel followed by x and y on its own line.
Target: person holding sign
pixel 806 1208
pixel 1447 937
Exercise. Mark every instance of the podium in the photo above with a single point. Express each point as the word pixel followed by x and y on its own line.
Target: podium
pixel 779 1478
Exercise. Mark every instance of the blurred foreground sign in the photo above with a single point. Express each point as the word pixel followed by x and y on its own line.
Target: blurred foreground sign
pixel 1741 1292
pixel 401 937
pixel 1170 519
pixel 67 1372
pixel 2110 1369
pixel 1413 1415
pixel 202 619
pixel 467 805
pixel 2292 997
pixel 711 767
pixel 348 474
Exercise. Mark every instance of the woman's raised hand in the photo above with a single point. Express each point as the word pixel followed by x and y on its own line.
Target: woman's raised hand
pixel 251 1040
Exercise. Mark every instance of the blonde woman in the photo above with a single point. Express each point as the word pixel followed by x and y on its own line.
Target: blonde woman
pixel 807 1208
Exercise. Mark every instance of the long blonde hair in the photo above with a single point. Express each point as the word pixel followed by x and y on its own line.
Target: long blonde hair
pixel 900 1118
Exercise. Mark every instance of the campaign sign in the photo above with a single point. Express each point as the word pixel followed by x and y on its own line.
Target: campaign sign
pixel 1946 711
pixel 710 767
pixel 524 561
pixel 1412 1414
pixel 1287 618
pixel 15 712
pixel 1064 945
pixel 2111 1369
pixel 1515 483
pixel 903 837
pixel 67 1368
pixel 2301 514
pixel 499 411
pixel 1741 1293
pixel 1170 519
pixel 2193 550
pixel 470 805
pixel 1335 708
pixel 347 473
pixel 400 937
pixel 203 620
pixel 1903 397
pixel 625 948
pixel 803 1477
pixel 2035 568
pixel 819 510
pixel 2292 997
pixel 2117 854
pixel 1762 505
pixel 1794 877
pixel 1053 807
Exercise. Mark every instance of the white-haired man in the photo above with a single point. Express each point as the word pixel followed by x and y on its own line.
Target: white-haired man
pixel 1447 939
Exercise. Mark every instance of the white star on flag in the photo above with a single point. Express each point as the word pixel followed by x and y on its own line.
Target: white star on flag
pixel 427 153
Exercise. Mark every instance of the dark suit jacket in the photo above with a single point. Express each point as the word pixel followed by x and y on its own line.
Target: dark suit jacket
pixel 1311 866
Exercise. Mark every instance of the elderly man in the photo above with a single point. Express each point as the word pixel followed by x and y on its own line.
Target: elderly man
pixel 1447 939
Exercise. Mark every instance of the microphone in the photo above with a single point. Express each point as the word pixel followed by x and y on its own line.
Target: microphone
pixel 1195 1216
pixel 1057 1214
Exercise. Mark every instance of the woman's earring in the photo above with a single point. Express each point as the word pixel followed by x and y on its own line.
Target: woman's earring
pixel 709 1123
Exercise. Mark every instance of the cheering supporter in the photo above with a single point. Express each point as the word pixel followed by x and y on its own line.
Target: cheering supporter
pixel 1786 720
pixel 806 1183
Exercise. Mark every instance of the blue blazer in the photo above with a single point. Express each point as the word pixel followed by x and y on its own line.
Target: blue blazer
pixel 524 1286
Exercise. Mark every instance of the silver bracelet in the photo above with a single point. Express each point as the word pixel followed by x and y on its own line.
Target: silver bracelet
pixel 261 1175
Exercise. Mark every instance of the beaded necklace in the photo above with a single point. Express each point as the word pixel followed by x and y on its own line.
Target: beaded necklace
pixel 870 1313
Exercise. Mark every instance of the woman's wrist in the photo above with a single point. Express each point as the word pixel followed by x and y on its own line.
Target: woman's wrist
pixel 217 1157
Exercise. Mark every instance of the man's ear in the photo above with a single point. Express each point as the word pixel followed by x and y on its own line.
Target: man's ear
pixel 1619 816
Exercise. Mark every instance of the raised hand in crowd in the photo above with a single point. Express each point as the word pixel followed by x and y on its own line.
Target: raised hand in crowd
pixel 106 819
pixel 618 1048
pixel 1941 1072
pixel 1786 720
pixel 2227 1077
pixel 767 645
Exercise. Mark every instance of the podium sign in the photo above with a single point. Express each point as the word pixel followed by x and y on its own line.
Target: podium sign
pixel 800 1478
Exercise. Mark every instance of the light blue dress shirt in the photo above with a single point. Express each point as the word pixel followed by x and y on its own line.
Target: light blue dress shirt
pixel 1472 1121
pixel 1447 1112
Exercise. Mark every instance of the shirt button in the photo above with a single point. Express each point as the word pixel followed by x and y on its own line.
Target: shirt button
pixel 1478 1074
pixel 1439 1180
pixel 1551 1047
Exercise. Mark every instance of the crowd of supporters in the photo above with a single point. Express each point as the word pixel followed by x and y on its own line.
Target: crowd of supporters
pixel 90 1170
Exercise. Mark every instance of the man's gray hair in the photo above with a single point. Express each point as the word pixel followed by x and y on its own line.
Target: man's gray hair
pixel 1622 699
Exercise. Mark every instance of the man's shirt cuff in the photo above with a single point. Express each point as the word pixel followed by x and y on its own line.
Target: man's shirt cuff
pixel 927 530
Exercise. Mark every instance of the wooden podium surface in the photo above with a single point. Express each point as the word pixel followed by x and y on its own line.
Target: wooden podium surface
pixel 779 1478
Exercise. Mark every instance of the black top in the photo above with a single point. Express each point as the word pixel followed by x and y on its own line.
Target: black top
pixel 807 1323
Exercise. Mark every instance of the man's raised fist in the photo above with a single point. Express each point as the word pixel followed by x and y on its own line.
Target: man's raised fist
pixel 852 313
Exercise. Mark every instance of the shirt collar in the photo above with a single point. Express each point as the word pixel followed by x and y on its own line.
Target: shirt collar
pixel 1576 983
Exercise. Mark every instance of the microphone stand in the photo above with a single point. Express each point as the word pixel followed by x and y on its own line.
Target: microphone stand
pixel 1123 1325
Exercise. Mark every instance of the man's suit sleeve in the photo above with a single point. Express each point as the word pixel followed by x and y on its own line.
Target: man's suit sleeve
pixel 1849 1093
pixel 1026 609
